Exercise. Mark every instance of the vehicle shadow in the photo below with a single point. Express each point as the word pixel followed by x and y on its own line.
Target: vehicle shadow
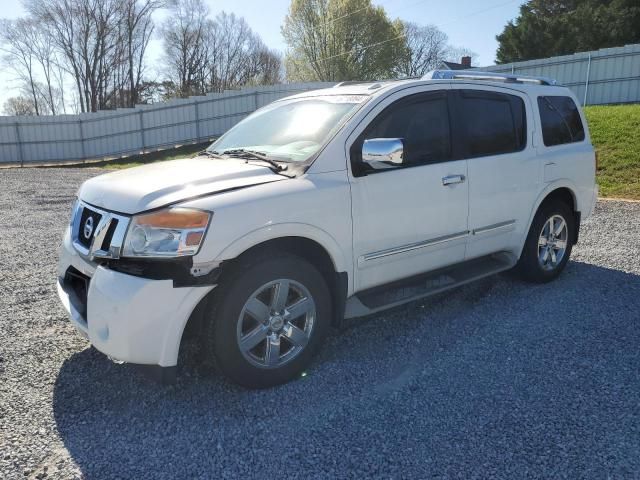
pixel 114 422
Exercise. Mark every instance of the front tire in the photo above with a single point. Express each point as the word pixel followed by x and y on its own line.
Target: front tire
pixel 268 319
pixel 549 243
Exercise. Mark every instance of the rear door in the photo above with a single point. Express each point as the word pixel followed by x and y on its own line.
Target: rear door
pixel 504 170
pixel 565 151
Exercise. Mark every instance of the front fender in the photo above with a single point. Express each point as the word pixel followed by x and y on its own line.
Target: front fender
pixel 240 245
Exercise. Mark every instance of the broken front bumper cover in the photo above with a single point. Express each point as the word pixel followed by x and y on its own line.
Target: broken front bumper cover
pixel 129 318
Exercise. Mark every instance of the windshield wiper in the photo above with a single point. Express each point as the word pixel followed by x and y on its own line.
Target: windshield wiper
pixel 208 153
pixel 253 155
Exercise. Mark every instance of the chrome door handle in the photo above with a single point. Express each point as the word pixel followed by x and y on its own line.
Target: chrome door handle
pixel 453 179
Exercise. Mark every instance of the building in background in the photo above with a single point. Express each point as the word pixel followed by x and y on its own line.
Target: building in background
pixel 465 63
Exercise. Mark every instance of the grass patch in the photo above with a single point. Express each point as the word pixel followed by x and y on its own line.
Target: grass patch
pixel 615 133
pixel 143 159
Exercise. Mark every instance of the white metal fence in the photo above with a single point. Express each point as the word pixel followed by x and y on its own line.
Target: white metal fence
pixel 605 76
pixel 114 133
pixel 610 75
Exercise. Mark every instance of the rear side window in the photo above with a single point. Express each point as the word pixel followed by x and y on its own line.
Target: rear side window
pixel 560 120
pixel 492 123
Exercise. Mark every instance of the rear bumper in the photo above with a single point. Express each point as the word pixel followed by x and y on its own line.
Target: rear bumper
pixel 591 205
pixel 128 318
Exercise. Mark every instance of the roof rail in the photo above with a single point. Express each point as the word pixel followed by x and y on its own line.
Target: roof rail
pixel 489 76
pixel 352 82
pixel 374 84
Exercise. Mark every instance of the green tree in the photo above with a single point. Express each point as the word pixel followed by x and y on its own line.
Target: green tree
pixel 337 40
pixel 546 28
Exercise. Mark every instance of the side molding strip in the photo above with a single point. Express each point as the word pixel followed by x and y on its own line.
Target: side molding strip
pixel 495 226
pixel 436 241
pixel 414 246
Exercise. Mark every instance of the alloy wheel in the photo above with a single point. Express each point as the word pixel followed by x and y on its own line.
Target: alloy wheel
pixel 276 323
pixel 552 243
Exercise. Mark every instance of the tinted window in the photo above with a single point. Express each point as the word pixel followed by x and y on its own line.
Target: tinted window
pixel 422 121
pixel 560 120
pixel 493 123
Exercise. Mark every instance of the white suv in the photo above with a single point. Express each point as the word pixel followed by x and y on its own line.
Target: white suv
pixel 322 206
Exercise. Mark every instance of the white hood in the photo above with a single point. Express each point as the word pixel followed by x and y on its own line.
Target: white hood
pixel 151 186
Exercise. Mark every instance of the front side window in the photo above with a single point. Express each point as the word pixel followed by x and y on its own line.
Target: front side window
pixel 422 122
pixel 492 123
pixel 561 122
pixel 290 130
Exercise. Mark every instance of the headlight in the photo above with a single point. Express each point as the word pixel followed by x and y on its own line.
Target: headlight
pixel 172 232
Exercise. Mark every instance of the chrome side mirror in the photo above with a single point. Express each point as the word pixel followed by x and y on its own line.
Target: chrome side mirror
pixel 383 153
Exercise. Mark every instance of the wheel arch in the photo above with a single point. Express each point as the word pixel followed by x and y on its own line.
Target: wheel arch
pixel 564 194
pixel 329 261
pixel 313 252
pixel 277 234
pixel 562 190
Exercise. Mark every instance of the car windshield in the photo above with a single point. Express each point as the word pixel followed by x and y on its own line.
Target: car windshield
pixel 290 131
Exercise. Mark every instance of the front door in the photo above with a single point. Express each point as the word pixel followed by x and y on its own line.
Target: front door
pixel 412 218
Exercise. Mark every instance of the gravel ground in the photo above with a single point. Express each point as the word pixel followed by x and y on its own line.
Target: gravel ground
pixel 496 379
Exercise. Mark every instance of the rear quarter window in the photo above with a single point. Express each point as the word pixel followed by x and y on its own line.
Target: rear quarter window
pixel 560 119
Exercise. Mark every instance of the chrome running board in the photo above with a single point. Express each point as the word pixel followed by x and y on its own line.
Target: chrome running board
pixel 420 286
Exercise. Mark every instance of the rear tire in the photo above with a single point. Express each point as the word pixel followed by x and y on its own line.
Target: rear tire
pixel 549 243
pixel 268 319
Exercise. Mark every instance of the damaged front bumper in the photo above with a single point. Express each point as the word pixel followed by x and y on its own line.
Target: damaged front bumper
pixel 129 318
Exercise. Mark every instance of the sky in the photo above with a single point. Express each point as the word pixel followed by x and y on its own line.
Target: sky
pixel 472 24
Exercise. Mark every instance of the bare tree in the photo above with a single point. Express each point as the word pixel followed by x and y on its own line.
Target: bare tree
pixel 59 75
pixel 19 53
pixel 231 41
pixel 237 56
pixel 19 106
pixel 425 48
pixel 82 31
pixel 207 55
pixel 32 54
pixel 185 43
pixel 265 67
pixel 101 44
pixel 136 16
pixel 44 53
pixel 59 19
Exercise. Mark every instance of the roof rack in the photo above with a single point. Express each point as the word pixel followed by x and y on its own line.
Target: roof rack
pixel 487 76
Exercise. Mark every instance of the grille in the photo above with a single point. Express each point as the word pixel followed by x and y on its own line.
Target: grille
pixel 83 227
pixel 105 232
pixel 106 243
